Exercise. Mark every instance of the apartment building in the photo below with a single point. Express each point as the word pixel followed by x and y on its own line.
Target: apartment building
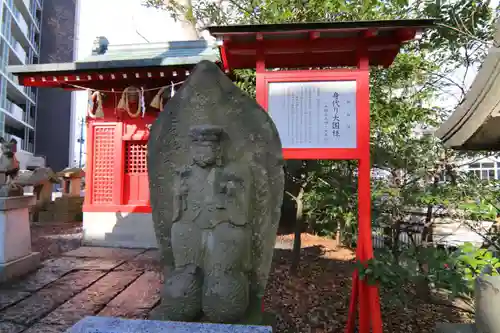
pixel 34 31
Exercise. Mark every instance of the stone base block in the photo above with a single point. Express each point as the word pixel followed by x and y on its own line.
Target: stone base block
pixel 455 328
pixel 19 267
pixel 114 325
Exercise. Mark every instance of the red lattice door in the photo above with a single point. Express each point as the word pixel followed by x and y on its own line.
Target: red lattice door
pixel 136 186
pixel 103 164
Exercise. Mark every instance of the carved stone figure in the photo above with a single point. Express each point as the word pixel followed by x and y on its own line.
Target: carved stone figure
pixel 9 169
pixel 216 180
pixel 211 242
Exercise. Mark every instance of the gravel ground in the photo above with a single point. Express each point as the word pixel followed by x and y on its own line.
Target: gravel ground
pixel 52 239
pixel 315 300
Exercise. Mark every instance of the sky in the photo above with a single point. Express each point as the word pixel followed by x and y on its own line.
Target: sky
pixel 118 21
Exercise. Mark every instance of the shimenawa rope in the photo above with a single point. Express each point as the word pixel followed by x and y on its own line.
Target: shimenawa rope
pixel 94 109
pixel 124 103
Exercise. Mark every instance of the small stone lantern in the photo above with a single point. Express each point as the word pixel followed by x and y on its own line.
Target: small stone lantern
pixel 71 181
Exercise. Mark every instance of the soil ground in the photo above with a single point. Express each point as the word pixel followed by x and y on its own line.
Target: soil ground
pixel 126 283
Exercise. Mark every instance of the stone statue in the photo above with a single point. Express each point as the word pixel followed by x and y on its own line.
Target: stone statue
pixel 211 241
pixel 9 169
pixel 216 180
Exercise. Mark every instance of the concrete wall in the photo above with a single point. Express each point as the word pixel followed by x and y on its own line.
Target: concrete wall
pixel 128 230
pixel 54 119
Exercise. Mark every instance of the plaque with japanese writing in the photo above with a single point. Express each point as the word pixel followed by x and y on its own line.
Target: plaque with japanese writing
pixel 314 114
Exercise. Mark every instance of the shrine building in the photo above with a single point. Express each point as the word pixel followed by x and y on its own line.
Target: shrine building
pixel 129 84
pixel 473 124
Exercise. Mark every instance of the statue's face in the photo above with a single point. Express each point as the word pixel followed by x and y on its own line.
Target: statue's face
pixel 205 153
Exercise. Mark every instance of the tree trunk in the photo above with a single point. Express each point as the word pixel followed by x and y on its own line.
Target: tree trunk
pixel 299 224
pixel 427 231
pixel 396 246
pixel 338 236
pixel 183 10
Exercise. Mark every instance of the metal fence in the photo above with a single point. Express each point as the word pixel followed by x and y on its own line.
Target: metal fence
pixel 408 231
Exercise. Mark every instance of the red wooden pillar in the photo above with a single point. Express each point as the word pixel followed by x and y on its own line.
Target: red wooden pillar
pixel 119 165
pixel 364 297
pixel 89 173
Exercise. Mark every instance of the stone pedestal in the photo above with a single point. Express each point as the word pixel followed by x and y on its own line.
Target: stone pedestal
pixel 455 328
pixel 487 299
pixel 486 292
pixel 16 257
pixel 115 325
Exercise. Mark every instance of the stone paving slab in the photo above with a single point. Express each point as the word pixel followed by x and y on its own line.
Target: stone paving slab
pixel 81 263
pixel 148 255
pixel 42 302
pixel 41 278
pixel 146 261
pixel 144 292
pixel 11 327
pixel 44 328
pixel 104 252
pixel 9 297
pixel 91 300
pixel 85 282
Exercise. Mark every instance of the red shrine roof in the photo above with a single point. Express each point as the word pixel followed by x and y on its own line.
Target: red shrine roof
pixel 299 45
pixel 296 45
pixel 121 65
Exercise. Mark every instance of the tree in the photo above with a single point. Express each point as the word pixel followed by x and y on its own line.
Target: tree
pixel 181 10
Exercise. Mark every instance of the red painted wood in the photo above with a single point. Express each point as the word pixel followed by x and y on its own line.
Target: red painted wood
pixel 264 78
pixel 118 170
pixel 89 170
pixel 321 154
pixel 95 208
pixel 128 182
pixel 136 183
pixel 119 78
pixel 328 45
pixel 365 297
pixel 103 163
pixel 314 52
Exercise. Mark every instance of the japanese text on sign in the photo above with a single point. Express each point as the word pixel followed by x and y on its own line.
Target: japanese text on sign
pixel 314 114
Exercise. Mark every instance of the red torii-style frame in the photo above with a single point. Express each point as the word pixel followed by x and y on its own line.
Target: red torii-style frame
pixel 342 44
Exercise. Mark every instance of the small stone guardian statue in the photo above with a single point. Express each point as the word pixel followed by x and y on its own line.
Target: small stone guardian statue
pixel 216 182
pixel 9 169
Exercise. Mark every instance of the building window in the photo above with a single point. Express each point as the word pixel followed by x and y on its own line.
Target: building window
pixel 485 170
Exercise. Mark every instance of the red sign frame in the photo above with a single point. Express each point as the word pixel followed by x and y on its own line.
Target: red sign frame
pixel 367 297
pixel 314 76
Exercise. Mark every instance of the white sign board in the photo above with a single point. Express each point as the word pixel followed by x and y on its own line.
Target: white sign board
pixel 318 114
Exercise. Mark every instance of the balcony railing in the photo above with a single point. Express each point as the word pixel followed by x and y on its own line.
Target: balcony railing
pixel 18 49
pixel 29 147
pixel 31 94
pixel 14 79
pixel 20 20
pixel 16 111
